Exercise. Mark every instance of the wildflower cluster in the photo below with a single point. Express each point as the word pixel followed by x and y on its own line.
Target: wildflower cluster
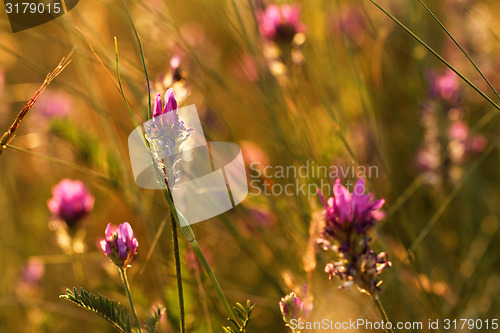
pixel 445 131
pixel 166 135
pixel 70 202
pixel 283 34
pixel 280 24
pixel 120 245
pixel 349 217
pixel 293 308
pixel 55 104
pixel 30 277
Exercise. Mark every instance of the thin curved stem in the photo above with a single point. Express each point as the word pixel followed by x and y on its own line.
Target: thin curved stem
pixel 7 137
pixel 188 232
pixel 382 312
pixel 175 241
pixel 212 277
pixel 142 56
pixel 127 291
pixel 203 297
pixel 76 262
pixel 437 55
pixel 177 259
pixel 120 85
pixel 460 47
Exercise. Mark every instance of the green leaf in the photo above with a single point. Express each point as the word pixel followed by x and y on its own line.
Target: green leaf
pixel 103 306
pixel 243 313
pixel 154 319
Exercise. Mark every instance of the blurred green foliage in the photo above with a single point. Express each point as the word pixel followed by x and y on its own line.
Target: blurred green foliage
pixel 349 92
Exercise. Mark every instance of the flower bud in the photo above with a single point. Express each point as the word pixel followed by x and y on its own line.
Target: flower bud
pixel 71 201
pixel 120 244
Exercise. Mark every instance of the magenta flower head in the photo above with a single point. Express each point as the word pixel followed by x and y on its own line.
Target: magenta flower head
pixel 280 23
pixel 166 134
pixel 170 103
pixel 30 278
pixel 71 201
pixel 120 244
pixel 463 143
pixel 458 131
pixel 55 104
pixel 352 22
pixel 33 271
pixel 346 211
pixel 293 308
pixel 348 218
pixel 444 86
pixel 175 63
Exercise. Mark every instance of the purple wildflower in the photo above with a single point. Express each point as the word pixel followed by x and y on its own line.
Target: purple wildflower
pixel 476 144
pixel 170 103
pixel 293 308
pixel 362 270
pixel 444 86
pixel 427 159
pixel 351 22
pixel 30 277
pixel 166 135
pixel 346 211
pixel 71 201
pixel 120 245
pixel 262 216
pixel 462 143
pixel 33 272
pixel 175 63
pixel 459 131
pixel 348 218
pixel 280 23
pixel 55 104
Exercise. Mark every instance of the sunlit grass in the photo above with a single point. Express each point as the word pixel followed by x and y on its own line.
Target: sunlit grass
pixel 348 91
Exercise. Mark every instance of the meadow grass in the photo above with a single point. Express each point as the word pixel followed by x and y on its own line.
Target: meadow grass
pixel 350 91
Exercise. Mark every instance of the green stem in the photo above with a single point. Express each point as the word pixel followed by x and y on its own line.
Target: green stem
pixel 460 47
pixel 437 55
pixel 175 240
pixel 120 84
pixel 381 310
pixel 76 262
pixel 127 291
pixel 201 291
pixel 142 57
pixel 188 232
pixel 212 277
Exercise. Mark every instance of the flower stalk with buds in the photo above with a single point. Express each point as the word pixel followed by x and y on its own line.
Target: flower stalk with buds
pixel 120 246
pixel 70 202
pixel 292 308
pixel 349 217
pixel 166 134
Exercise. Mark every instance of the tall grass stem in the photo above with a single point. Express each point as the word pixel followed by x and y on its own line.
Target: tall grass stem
pixel 382 312
pixel 212 277
pixel 437 55
pixel 127 291
pixel 142 57
pixel 178 273
pixel 460 47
